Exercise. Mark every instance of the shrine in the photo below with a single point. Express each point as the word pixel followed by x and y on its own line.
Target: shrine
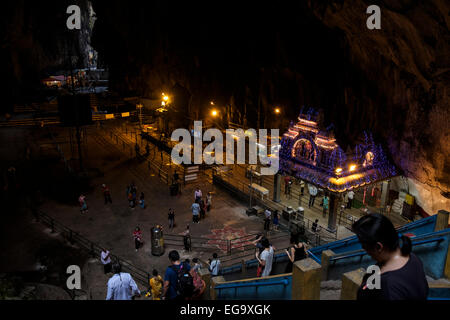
pixel 311 154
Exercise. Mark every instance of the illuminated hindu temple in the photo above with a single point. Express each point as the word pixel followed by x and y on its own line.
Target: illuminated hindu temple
pixel 311 154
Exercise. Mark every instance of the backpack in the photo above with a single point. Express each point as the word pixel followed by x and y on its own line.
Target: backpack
pixel 185 283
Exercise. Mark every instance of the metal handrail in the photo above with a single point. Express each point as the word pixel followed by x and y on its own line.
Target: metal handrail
pixel 363 252
pixel 93 248
pixel 262 283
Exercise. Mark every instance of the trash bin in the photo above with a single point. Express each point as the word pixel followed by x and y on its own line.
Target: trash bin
pixel 287 213
pixel 300 213
pixel 157 241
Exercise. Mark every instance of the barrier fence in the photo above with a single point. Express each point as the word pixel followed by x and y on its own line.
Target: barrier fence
pixel 92 248
pixel 242 189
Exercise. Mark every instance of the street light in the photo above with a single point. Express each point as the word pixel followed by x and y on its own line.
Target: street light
pixel 214 113
pixel 277 110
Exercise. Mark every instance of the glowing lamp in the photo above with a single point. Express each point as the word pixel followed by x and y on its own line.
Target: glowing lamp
pixel 277 110
pixel 214 113
pixel 352 167
pixel 338 170
pixel 166 98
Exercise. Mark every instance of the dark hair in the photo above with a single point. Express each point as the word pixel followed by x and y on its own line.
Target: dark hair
pixel 188 261
pixel 265 243
pixel 294 238
pixel 317 220
pixel 174 255
pixel 155 272
pixel 374 227
pixel 195 260
pixel 116 267
pixel 215 255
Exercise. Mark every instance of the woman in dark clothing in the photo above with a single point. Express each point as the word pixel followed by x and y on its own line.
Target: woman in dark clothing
pixel 295 253
pixel 401 273
pixel 202 209
pixel 171 218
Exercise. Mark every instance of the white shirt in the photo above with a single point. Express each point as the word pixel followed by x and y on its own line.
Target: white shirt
pixel 268 213
pixel 103 257
pixel 312 190
pixel 121 287
pixel 214 267
pixel 198 194
pixel 351 194
pixel 267 256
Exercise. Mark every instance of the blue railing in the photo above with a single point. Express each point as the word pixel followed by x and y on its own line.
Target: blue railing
pixel 363 253
pixel 277 287
pixel 251 284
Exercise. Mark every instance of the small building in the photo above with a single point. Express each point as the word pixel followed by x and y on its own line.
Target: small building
pixel 311 154
pixel 54 81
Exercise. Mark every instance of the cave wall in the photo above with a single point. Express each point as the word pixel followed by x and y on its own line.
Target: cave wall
pixel 392 81
pixel 408 60
pixel 250 58
pixel 37 43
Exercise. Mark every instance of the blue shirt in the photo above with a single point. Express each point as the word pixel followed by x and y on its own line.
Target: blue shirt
pixel 172 277
pixel 121 287
pixel 325 202
pixel 195 209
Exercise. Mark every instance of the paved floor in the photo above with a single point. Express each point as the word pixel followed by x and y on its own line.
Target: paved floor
pixel 112 225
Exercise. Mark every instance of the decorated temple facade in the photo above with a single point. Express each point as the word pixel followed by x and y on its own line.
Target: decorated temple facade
pixel 311 154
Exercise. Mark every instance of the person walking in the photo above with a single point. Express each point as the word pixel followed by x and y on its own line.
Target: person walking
pixel 171 217
pixel 266 258
pixel 314 225
pixel 208 201
pixel 302 187
pixel 202 209
pixel 350 196
pixel 195 211
pixel 83 204
pixel 106 194
pixel 312 195
pixel 137 235
pixel 325 203
pixel 142 200
pixel 173 288
pixel 187 239
pixel 267 219
pixel 259 249
pixel 105 258
pixel 134 195
pixel 214 265
pixel 295 253
pixel 156 285
pixel 198 194
pixel 287 180
pixel 402 275
pixel 275 220
pixel 121 286
pixel 197 265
